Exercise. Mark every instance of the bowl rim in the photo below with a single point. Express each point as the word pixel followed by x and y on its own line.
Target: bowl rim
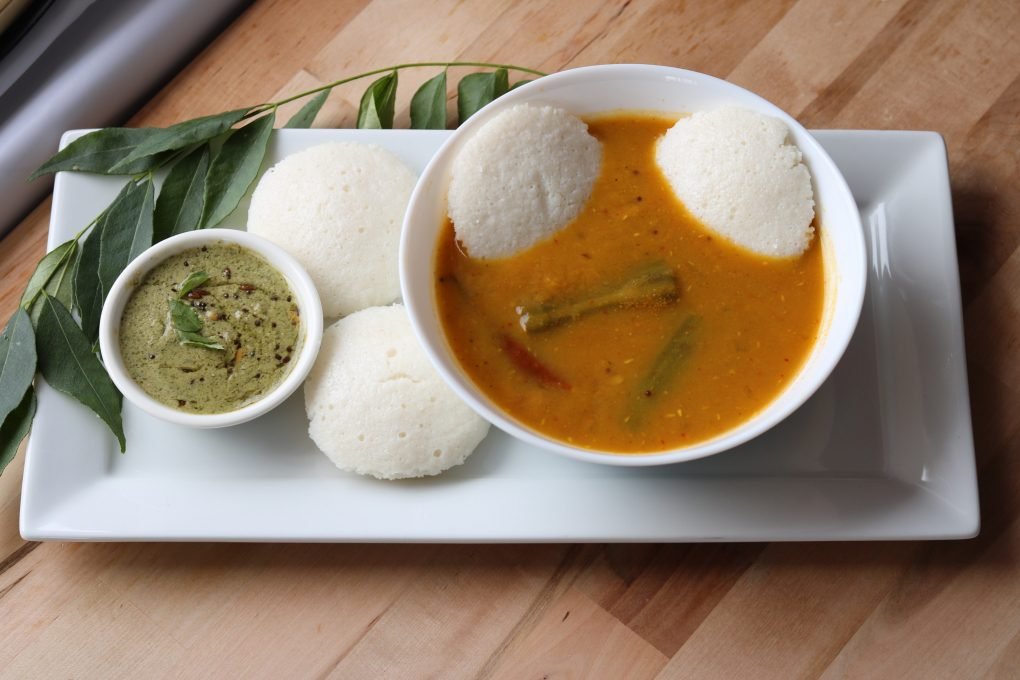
pixel 420 302
pixel 297 278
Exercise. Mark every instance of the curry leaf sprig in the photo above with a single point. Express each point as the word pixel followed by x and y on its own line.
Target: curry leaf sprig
pixel 208 164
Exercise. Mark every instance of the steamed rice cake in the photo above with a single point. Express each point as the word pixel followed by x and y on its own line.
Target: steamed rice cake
pixel 520 178
pixel 338 208
pixel 736 171
pixel 377 407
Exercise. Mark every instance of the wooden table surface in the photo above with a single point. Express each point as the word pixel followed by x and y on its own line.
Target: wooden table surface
pixel 893 610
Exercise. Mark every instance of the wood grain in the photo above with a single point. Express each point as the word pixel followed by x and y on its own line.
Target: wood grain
pixel 906 610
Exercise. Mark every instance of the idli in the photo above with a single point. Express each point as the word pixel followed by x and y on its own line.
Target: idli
pixel 377 407
pixel 338 208
pixel 521 177
pixel 736 171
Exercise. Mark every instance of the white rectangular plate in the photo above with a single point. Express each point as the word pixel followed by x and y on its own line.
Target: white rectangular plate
pixel 883 451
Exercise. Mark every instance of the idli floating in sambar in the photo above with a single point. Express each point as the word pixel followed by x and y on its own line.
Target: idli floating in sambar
pixel 679 300
pixel 521 178
pixel 337 208
pixel 736 172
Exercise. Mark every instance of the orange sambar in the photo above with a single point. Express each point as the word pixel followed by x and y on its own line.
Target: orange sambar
pixel 753 319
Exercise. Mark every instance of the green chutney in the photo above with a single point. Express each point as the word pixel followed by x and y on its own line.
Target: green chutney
pixel 245 306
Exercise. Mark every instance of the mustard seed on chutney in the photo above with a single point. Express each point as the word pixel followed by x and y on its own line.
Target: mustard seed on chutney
pixel 248 329
pixel 633 329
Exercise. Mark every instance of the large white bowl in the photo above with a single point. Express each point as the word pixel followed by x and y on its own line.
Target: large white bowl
pixel 305 294
pixel 597 89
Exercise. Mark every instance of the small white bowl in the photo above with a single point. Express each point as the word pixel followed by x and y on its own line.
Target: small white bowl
pixel 635 87
pixel 301 285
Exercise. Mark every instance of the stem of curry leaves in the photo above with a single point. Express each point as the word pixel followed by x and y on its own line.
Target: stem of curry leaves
pixel 400 67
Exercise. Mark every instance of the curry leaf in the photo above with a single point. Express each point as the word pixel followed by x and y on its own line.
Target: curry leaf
pixel 196 340
pixel 119 235
pixel 478 89
pixel 61 285
pixel 15 426
pixel 182 135
pixel 234 169
pixel 126 232
pixel 68 364
pixel 378 104
pixel 54 260
pixel 88 290
pixel 522 82
pixel 306 115
pixel 428 105
pixel 103 150
pixel 17 361
pixel 185 320
pixel 179 206
pixel 191 282
pixel 184 317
